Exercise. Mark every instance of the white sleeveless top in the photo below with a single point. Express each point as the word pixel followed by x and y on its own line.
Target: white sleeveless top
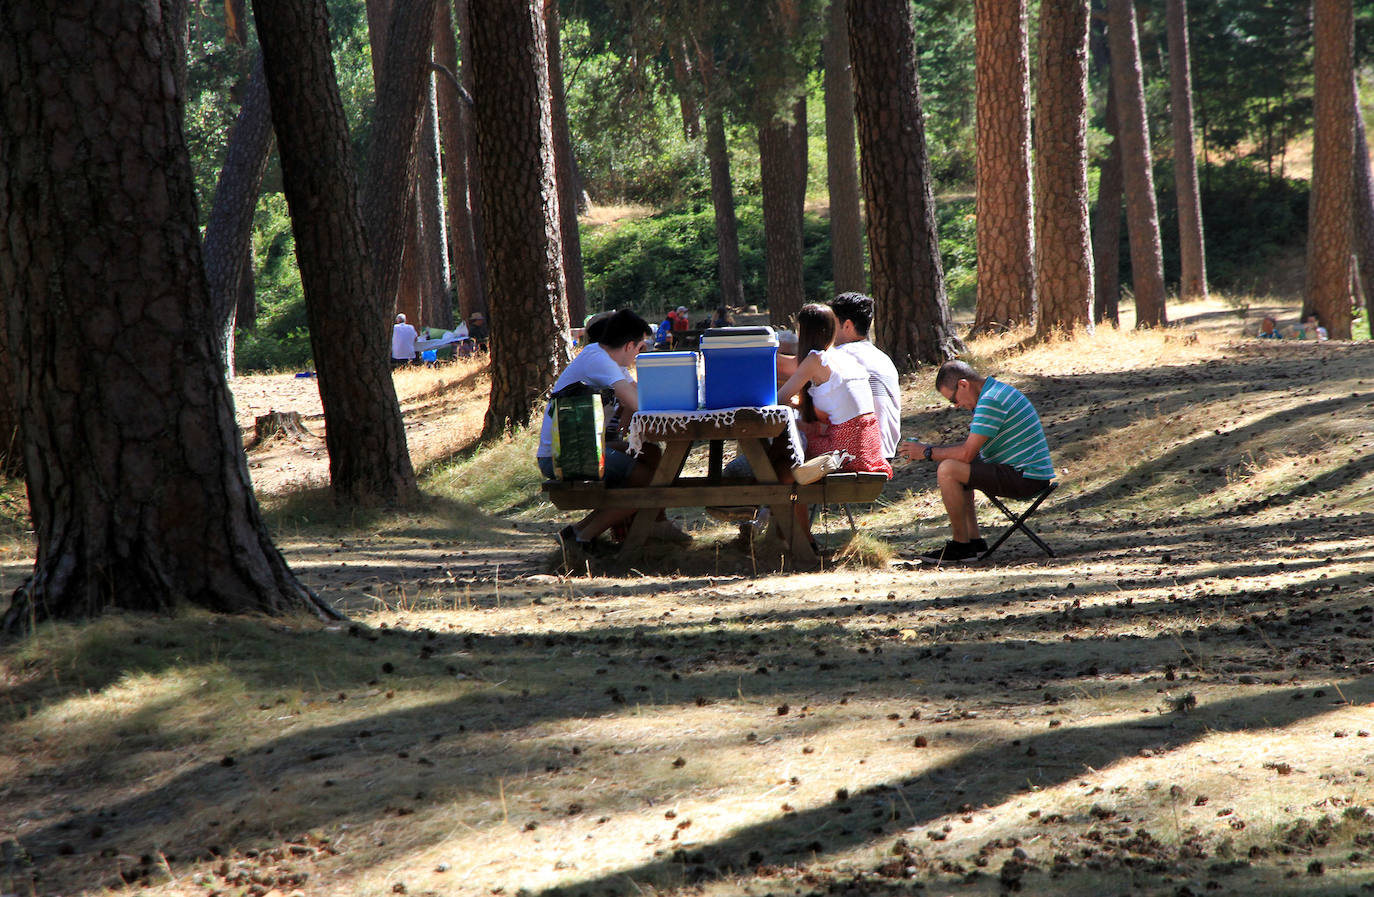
pixel 846 395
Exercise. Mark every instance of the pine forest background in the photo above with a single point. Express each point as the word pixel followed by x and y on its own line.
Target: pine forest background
pixel 650 242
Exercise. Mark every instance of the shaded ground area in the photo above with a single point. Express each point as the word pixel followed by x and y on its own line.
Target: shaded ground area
pixel 1180 702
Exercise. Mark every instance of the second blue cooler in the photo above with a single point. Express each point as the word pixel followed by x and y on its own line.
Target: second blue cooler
pixel 741 366
pixel 667 381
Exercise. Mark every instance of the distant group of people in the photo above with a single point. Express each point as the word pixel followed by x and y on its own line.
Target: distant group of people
pixel 679 319
pixel 408 347
pixel 1310 328
pixel 849 403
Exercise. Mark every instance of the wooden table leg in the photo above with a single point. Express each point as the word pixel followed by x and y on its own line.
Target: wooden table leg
pixel 782 523
pixel 669 466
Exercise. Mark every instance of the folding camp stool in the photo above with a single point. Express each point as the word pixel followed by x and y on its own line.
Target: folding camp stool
pixel 1019 521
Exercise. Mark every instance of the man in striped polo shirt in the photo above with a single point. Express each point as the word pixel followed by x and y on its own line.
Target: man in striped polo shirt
pixel 1005 454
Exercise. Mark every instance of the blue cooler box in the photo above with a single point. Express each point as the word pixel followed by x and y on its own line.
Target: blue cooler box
pixel 667 381
pixel 741 366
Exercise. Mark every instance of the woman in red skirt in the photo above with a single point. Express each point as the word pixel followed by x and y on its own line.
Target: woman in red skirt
pixel 837 403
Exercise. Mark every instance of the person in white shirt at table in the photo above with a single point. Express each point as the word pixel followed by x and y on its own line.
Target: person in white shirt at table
pixel 403 337
pixel 613 343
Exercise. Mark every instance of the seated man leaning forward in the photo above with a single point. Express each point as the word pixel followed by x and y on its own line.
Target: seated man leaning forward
pixel 1005 455
pixel 613 343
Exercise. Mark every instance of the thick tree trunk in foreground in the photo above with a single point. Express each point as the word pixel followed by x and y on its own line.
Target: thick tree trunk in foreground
pixel 1133 134
pixel 842 168
pixel 1363 213
pixel 529 316
pixel 11 442
pixel 1006 273
pixel 1330 217
pixel 1063 257
pixel 723 203
pixel 453 125
pixel 1192 283
pixel 782 233
pixel 913 324
pixel 137 481
pixel 565 169
pixel 349 332
pixel 229 229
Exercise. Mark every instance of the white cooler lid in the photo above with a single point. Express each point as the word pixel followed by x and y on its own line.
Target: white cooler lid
pixel 666 359
pixel 757 341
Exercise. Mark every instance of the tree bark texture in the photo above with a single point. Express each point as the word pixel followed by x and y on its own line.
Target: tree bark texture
pixel 565 168
pixel 723 203
pixel 1006 273
pixel 453 125
pixel 229 229
pixel 1192 283
pixel 392 162
pixel 11 440
pixel 842 168
pixel 138 487
pixel 1107 222
pixel 782 217
pixel 462 18
pixel 515 153
pixel 913 324
pixel 1331 213
pixel 684 79
pixel 349 323
pixel 1133 134
pixel 1063 256
pixel 1363 214
pixel 429 192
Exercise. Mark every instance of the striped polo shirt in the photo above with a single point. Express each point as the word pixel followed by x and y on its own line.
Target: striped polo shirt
pixel 1012 427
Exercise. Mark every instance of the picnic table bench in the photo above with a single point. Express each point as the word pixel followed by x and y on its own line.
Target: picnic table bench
pixel 749 428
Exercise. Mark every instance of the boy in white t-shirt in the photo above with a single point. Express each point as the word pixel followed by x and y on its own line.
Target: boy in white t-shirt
pixel 613 344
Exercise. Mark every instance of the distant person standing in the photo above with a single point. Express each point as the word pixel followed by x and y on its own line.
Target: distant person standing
pixel 403 337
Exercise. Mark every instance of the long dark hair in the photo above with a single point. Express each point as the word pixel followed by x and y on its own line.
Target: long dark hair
pixel 815 330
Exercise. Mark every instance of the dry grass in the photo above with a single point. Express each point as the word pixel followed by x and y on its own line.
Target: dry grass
pixel 1180 702
pixel 616 214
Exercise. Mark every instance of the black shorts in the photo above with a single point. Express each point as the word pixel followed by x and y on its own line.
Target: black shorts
pixel 1001 480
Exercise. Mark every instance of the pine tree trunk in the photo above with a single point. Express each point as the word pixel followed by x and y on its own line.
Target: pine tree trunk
pixel 349 336
pixel 1006 274
pixel 913 324
pixel 685 81
pixel 409 299
pixel 782 232
pixel 1107 221
pixel 1193 279
pixel 566 170
pixel 434 269
pixel 1133 133
pixel 137 482
pixel 723 202
pixel 1063 257
pixel 529 316
pixel 462 18
pixel 11 440
pixel 389 181
pixel 842 170
pixel 453 127
pixel 1363 212
pixel 228 244
pixel 1331 213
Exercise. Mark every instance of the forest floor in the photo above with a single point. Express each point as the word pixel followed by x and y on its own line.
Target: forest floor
pixel 1180 702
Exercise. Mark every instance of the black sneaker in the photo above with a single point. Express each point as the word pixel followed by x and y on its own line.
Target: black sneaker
pixel 979 545
pixel 952 553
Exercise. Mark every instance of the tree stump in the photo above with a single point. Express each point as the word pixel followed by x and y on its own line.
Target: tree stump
pixel 279 423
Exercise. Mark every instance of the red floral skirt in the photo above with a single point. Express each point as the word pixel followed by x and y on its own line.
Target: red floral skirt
pixel 859 442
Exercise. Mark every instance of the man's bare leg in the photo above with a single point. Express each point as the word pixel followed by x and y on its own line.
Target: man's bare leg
pixel 952 477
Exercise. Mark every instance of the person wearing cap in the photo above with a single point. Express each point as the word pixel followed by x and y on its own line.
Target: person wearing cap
pixel 682 321
pixel 403 337
pixel 477 329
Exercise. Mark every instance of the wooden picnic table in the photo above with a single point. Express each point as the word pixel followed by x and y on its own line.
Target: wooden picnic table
pixel 749 429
